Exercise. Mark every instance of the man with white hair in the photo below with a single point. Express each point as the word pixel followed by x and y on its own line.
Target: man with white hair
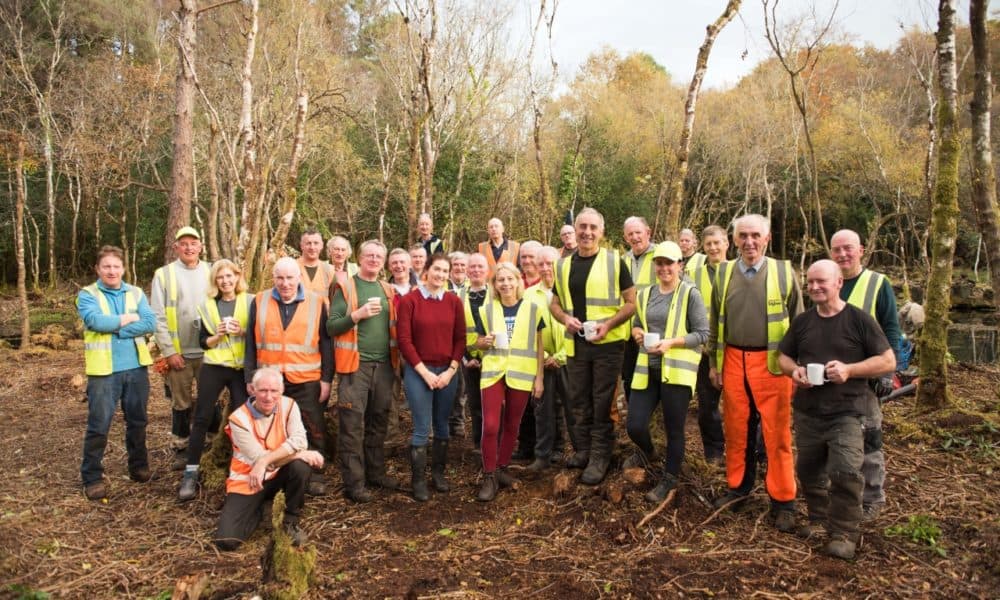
pixel 431 242
pixel 753 301
pixel 689 250
pixel 338 248
pixel 286 331
pixel 528 262
pixel 639 259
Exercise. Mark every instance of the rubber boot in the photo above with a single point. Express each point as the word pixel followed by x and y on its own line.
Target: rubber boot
pixel 439 459
pixel 418 478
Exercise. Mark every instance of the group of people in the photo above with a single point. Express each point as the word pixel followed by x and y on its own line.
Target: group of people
pixel 493 333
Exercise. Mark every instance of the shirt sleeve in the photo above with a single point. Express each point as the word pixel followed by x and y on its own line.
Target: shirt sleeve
pixel 887 315
pixel 404 330
pixel 246 441
pixel 697 321
pixel 340 320
pixel 146 323
pixel 93 319
pixel 158 302
pixel 295 430
pixel 325 349
pixel 624 276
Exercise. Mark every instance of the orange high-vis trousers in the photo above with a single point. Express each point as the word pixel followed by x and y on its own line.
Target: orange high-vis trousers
pixel 745 378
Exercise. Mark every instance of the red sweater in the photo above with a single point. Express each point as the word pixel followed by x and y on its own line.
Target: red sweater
pixel 431 331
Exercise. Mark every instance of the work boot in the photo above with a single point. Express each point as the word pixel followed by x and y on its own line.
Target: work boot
pixel 316 487
pixel 730 500
pixel 784 521
pixel 870 512
pixel 179 461
pixel 358 494
pixel 140 474
pixel 840 547
pixel 539 465
pixel 488 491
pixel 382 481
pixel 504 478
pixel 596 469
pixel 95 491
pixel 189 486
pixel 418 479
pixel 296 534
pixel 637 460
pixel 659 493
pixel 578 460
pixel 439 459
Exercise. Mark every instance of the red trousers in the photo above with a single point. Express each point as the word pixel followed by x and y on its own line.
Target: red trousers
pixel 745 379
pixel 501 403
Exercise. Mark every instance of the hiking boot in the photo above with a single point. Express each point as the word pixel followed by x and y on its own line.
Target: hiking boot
pixel 95 491
pixel 784 521
pixel 638 460
pixel 504 478
pixel 811 531
pixel 316 487
pixel 870 512
pixel 296 534
pixel 383 481
pixel 840 547
pixel 140 475
pixel 179 462
pixel 578 460
pixel 488 491
pixel 358 494
pixel 538 465
pixel 439 459
pixel 730 500
pixel 189 486
pixel 596 469
pixel 659 493
pixel 418 479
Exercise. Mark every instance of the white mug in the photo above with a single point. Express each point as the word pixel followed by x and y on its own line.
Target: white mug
pixel 589 330
pixel 816 373
pixel 500 340
pixel 225 324
pixel 650 340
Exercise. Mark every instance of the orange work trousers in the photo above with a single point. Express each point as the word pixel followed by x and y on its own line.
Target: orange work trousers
pixel 745 379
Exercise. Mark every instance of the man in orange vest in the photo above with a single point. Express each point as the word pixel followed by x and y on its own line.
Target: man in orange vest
pixel 363 325
pixel 317 275
pixel 498 248
pixel 286 332
pixel 269 455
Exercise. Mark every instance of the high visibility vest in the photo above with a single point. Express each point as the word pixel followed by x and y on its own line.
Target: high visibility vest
pixel 865 291
pixel 779 288
pixel 168 282
pixel 346 354
pixel 321 282
pixel 678 366
pixel 270 439
pixel 693 263
pixel 230 350
pixel 604 297
pixel 470 325
pixel 703 281
pixel 97 353
pixel 518 364
pixel 643 275
pixel 554 335
pixel 510 254
pixel 293 350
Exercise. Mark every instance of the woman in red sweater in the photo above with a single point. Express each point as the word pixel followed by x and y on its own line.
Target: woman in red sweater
pixel 431 334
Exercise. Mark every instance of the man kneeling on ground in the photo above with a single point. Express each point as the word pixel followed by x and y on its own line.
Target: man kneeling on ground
pixel 269 454
pixel 830 352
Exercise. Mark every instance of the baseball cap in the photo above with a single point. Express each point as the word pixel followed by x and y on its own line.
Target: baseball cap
pixel 187 231
pixel 668 250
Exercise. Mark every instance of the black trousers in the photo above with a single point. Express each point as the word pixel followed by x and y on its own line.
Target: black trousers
pixel 212 379
pixel 241 513
pixel 593 376
pixel 551 414
pixel 709 419
pixel 474 402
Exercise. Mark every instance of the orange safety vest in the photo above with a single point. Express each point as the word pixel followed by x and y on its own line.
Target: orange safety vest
pixel 240 466
pixel 321 283
pixel 510 254
pixel 345 346
pixel 293 350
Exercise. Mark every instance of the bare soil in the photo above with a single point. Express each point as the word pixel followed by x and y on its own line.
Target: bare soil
pixel 529 542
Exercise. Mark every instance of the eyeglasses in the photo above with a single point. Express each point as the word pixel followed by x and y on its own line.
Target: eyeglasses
pixel 373 256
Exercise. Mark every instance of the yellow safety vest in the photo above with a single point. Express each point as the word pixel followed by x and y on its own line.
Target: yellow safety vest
pixel 231 349
pixel 703 281
pixel 604 298
pixel 693 263
pixel 645 275
pixel 679 366
pixel 168 282
pixel 865 291
pixel 779 288
pixel 554 335
pixel 470 325
pixel 518 364
pixel 97 346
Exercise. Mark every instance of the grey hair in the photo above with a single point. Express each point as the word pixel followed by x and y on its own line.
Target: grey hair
pixel 759 220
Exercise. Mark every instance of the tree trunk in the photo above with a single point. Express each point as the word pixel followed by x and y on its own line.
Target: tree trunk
pixel 933 390
pixel 253 182
pixel 182 169
pixel 684 148
pixel 291 192
pixel 984 194
pixel 22 273
pixel 50 192
pixel 212 221
pixel 413 178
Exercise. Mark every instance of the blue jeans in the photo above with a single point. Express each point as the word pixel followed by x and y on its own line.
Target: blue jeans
pixel 427 405
pixel 103 394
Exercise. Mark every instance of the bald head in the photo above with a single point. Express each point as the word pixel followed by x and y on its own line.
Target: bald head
pixel 286 277
pixel 823 282
pixel 846 250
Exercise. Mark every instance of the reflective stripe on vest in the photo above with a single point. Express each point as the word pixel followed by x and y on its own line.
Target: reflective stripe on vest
pixel 644 275
pixel 471 335
pixel 230 350
pixel 678 366
pixel 240 465
pixel 602 294
pixel 693 263
pixel 168 282
pixel 554 335
pixel 518 364
pixel 293 350
pixel 779 278
pixel 866 291
pixel 346 353
pixel 97 354
pixel 703 281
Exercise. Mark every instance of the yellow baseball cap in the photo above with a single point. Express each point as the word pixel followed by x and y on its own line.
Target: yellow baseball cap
pixel 668 250
pixel 187 231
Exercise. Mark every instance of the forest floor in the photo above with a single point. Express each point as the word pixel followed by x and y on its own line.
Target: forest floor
pixel 535 541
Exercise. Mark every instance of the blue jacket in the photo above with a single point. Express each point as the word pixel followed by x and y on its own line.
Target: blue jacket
pixel 123 352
